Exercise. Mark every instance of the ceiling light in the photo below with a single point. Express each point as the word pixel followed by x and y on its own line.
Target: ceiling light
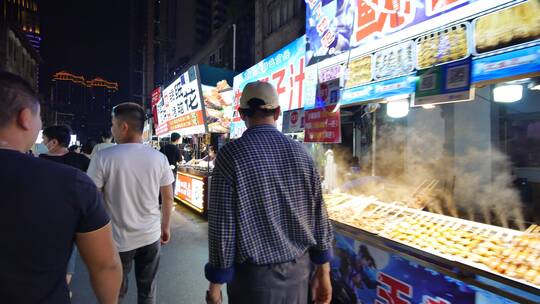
pixel 508 93
pixel 397 108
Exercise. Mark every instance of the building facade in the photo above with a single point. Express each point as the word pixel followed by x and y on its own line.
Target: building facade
pixel 17 55
pixel 25 15
pixel 277 23
pixel 20 39
pixel 164 35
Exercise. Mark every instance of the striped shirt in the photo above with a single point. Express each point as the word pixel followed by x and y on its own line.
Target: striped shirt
pixel 265 206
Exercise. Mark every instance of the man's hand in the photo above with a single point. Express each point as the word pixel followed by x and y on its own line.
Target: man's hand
pixel 213 295
pixel 166 209
pixel 165 235
pixel 321 288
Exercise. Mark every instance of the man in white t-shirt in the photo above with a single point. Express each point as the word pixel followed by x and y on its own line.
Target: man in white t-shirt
pixel 131 176
pixel 106 142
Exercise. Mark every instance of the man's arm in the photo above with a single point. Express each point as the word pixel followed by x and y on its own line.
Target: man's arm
pixel 221 228
pixel 99 253
pixel 166 209
pixel 322 252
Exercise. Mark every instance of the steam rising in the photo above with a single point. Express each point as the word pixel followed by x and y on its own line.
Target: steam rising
pixel 475 184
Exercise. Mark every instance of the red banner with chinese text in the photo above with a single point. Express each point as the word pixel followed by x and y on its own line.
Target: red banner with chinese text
pixel 322 125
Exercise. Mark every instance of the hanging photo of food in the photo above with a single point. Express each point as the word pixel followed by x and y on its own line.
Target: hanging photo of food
pixel 395 61
pixel 508 27
pixel 448 45
pixel 359 72
pixel 218 105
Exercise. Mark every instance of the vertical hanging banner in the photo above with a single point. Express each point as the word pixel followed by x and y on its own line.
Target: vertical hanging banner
pixel 156 97
pixel 283 69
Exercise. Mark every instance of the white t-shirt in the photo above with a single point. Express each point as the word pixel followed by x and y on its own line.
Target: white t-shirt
pixel 131 176
pixel 100 147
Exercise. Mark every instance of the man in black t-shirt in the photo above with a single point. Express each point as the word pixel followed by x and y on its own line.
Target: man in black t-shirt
pixel 39 221
pixel 56 139
pixel 173 154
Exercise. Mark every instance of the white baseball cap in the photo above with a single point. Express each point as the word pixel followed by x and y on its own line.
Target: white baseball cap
pixel 260 90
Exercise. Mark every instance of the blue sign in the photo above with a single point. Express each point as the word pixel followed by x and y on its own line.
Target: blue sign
pixel 362 273
pixel 520 62
pixel 379 90
pixel 285 70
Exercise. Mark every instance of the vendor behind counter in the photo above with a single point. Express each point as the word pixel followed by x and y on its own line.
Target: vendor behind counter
pixel 207 161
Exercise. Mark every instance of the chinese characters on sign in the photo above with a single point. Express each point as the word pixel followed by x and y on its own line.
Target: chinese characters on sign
pixel 284 70
pixel 322 125
pixel 190 190
pixel 181 108
pixel 334 27
pixel 156 97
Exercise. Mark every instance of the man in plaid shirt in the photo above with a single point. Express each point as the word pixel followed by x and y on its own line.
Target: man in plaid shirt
pixel 267 222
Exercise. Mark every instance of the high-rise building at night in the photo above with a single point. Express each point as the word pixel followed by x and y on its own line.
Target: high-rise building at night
pixel 164 36
pixel 25 15
pixel 89 102
pixel 277 23
pixel 20 34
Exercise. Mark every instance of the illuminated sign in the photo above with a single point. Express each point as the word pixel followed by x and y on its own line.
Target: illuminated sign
pixel 333 27
pixel 285 70
pixel 181 107
pixel 190 190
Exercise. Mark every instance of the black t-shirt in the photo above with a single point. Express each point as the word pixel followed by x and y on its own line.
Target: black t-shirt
pixel 72 159
pixel 42 206
pixel 173 154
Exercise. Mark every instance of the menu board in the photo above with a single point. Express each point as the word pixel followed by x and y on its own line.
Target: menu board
pixel 218 102
pixel 181 109
pixel 508 27
pixel 444 46
pixel 395 61
pixel 359 71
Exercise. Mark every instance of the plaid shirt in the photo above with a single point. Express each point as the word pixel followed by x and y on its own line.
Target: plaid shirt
pixel 266 205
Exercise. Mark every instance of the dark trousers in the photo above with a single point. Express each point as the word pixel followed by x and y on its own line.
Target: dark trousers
pixel 146 265
pixel 286 283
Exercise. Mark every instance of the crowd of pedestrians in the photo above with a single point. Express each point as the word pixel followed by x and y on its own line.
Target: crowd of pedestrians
pixel 269 235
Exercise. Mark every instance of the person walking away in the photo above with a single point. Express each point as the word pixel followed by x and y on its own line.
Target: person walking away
pixel 131 176
pixel 39 222
pixel 266 217
pixel 106 142
pixel 56 139
pixel 172 152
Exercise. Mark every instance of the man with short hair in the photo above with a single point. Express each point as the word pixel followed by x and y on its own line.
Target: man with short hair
pixel 131 176
pixel 40 221
pixel 106 142
pixel 266 215
pixel 173 154
pixel 56 139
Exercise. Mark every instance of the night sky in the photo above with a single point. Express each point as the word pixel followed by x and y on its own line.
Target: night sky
pixel 89 38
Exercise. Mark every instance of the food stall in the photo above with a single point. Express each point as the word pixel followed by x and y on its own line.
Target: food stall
pixel 441 99
pixel 198 106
